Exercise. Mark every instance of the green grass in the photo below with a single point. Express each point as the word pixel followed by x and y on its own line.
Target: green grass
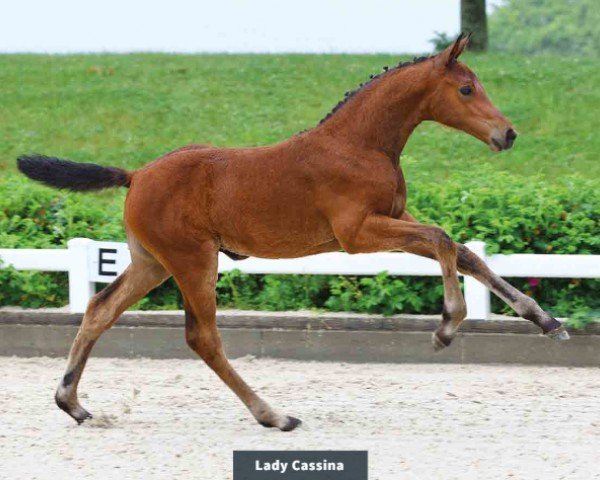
pixel 127 109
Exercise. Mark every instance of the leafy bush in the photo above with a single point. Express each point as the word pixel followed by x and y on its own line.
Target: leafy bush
pixel 511 214
pixel 568 27
pixel 32 216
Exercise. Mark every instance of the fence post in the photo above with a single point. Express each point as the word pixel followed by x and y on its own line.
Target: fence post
pixel 477 296
pixel 81 289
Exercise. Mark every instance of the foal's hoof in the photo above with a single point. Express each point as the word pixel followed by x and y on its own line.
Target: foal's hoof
pixel 558 334
pixel 81 416
pixel 290 424
pixel 78 413
pixel 439 343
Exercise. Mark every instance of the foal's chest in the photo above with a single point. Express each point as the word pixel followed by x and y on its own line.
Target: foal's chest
pixel 399 196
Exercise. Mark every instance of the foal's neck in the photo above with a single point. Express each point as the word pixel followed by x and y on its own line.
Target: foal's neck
pixel 382 115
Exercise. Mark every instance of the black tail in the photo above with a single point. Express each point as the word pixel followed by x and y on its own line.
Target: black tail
pixel 79 177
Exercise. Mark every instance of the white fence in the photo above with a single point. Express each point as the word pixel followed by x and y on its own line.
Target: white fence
pixel 88 262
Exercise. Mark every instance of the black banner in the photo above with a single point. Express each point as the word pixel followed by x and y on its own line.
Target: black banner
pixel 301 465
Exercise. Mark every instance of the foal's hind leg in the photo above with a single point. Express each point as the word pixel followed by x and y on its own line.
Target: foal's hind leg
pixel 196 275
pixel 104 309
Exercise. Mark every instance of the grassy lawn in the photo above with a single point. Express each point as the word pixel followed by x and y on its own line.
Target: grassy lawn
pixel 125 110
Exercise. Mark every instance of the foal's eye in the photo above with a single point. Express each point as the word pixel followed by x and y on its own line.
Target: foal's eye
pixel 466 90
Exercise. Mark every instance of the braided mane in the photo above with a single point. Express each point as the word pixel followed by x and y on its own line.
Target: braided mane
pixel 386 70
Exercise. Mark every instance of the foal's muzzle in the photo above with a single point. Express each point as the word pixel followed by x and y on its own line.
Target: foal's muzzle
pixel 502 140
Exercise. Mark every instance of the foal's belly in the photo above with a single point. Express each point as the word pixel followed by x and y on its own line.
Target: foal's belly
pixel 274 236
pixel 282 251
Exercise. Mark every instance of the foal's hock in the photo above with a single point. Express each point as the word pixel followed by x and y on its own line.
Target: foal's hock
pixel 336 186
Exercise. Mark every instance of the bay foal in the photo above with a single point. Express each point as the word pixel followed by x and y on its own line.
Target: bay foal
pixel 336 186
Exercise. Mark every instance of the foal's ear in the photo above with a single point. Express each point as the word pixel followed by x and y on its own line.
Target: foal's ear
pixel 449 56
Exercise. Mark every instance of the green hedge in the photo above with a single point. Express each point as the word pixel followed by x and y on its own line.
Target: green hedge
pixel 511 214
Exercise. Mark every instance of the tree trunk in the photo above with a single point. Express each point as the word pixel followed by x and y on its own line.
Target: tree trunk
pixel 474 20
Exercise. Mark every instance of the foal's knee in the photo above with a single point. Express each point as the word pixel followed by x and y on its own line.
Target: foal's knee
pixel 190 340
pixel 444 245
pixel 203 343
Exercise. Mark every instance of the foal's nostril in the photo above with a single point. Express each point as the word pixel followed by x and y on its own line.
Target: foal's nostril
pixel 510 135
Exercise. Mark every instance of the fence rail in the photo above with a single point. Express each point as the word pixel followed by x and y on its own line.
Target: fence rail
pixel 88 261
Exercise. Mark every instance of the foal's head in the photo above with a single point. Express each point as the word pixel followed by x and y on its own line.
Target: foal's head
pixel 459 101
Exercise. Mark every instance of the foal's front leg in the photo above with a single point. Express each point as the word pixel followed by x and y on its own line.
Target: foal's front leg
pixel 379 233
pixel 470 264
